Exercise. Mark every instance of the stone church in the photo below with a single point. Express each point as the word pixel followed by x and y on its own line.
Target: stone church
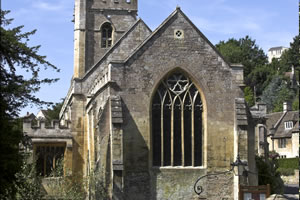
pixel 150 111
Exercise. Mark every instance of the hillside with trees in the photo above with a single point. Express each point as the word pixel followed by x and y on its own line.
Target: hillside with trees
pixel 266 82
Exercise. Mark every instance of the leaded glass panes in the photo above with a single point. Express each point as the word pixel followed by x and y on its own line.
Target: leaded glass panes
pixel 177 123
pixel 106 35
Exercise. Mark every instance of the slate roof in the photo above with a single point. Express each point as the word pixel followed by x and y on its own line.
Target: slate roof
pixel 45 113
pixel 277 120
pixel 29 116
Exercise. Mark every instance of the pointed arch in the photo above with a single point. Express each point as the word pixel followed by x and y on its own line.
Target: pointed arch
pixel 177 122
pixel 106 35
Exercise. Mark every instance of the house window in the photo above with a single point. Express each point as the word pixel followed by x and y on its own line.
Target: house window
pixel 282 143
pixel 106 35
pixel 288 125
pixel 48 158
pixel 177 123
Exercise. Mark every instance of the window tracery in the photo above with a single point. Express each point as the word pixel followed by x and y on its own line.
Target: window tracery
pixel 177 123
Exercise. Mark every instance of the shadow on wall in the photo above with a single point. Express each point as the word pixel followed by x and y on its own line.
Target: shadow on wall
pixel 136 159
pixel 103 152
pixel 78 161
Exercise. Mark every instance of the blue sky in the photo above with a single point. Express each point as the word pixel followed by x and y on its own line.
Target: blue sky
pixel 270 22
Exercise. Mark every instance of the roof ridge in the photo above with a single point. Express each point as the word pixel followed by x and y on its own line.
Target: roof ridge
pixel 152 34
pixel 177 10
pixel 279 121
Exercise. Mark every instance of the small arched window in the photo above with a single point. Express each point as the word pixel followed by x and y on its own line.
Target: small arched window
pixel 106 35
pixel 177 123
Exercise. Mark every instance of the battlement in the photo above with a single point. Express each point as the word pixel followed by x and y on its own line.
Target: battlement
pixel 130 5
pixel 42 131
pixel 43 124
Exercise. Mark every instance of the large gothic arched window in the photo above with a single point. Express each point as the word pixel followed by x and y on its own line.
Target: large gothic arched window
pixel 177 123
pixel 106 35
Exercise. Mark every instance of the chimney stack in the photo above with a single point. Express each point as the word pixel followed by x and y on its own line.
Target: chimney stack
pixel 287 106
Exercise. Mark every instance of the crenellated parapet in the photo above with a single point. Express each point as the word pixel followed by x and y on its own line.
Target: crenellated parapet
pixel 40 131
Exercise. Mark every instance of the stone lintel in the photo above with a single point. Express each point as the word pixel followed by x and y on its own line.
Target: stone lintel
pixel 67 141
pixel 118 167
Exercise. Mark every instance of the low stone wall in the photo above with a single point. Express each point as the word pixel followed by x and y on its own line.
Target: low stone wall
pixel 294 179
pixel 50 185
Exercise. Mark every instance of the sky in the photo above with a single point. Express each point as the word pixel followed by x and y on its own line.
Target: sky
pixel 269 22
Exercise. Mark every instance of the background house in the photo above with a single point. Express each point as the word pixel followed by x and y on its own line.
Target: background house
pixel 277 131
pixel 275 52
pixel 283 136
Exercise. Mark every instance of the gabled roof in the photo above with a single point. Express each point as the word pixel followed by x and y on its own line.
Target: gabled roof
pixel 296 127
pixel 114 46
pixel 277 120
pixel 29 116
pixel 164 23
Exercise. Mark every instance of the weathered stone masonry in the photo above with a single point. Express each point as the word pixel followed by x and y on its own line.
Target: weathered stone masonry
pixel 110 100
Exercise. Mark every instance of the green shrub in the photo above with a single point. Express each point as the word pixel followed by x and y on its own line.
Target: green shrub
pixel 27 184
pixel 286 171
pixel 292 163
pixel 268 174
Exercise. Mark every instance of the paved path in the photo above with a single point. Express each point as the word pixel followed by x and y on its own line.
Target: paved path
pixel 284 197
pixel 291 192
pixel 291 189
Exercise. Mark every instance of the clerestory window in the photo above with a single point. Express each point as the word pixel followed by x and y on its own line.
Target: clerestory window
pixel 106 35
pixel 49 159
pixel 177 123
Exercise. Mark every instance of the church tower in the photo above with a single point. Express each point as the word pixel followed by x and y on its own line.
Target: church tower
pixel 98 24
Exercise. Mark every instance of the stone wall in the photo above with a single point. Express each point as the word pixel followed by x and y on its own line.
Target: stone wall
pixel 131 71
pixel 137 79
pixel 53 134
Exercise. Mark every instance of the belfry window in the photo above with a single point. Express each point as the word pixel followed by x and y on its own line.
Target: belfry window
pixel 177 123
pixel 106 35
